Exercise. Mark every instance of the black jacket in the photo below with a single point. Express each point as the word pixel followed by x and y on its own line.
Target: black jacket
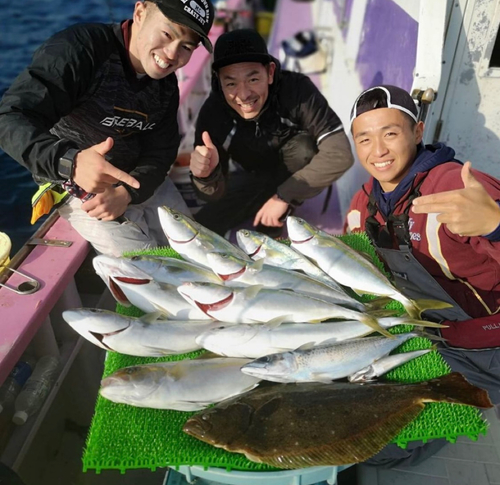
pixel 294 106
pixel 81 88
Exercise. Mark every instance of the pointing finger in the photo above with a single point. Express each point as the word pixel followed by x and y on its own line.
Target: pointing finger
pixel 122 176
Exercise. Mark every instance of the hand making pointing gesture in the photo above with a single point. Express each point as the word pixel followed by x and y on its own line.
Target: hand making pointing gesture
pixel 94 174
pixel 468 212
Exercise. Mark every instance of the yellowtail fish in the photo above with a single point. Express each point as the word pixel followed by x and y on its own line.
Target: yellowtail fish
pixel 259 246
pixel 237 272
pixel 255 304
pixel 192 240
pixel 186 385
pixel 258 340
pixel 147 336
pixel 348 267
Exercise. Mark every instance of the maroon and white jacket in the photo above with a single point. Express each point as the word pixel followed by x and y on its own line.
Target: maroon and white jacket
pixel 468 268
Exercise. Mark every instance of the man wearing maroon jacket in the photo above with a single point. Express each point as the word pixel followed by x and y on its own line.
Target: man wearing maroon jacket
pixel 436 225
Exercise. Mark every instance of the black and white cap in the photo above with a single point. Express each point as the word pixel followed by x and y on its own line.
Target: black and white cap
pixel 385 96
pixel 197 15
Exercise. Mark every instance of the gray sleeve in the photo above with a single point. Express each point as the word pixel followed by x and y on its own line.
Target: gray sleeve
pixel 333 159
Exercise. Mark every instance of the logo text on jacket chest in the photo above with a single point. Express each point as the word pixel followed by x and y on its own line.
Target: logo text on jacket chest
pixel 414 236
pixel 121 123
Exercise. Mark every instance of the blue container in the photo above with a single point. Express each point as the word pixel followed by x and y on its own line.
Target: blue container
pixel 303 476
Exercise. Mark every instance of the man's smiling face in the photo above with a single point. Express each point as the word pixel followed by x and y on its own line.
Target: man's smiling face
pixel 159 46
pixel 246 86
pixel 386 144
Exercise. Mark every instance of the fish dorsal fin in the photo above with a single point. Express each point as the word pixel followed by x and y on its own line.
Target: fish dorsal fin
pixel 152 317
pixel 329 341
pixel 307 346
pixel 256 266
pixel 276 322
pixel 252 291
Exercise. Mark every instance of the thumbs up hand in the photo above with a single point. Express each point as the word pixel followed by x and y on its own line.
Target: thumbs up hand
pixel 470 211
pixel 204 158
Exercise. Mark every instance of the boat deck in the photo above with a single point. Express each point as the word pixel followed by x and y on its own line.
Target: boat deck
pixel 462 463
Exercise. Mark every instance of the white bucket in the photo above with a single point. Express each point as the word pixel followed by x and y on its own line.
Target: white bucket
pixel 180 177
pixel 5 248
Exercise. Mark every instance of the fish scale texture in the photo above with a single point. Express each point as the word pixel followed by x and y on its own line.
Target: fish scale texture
pixel 125 437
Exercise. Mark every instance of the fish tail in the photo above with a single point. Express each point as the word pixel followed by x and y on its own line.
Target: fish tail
pixel 382 313
pixel 455 388
pixel 373 323
pixel 414 308
pixel 423 323
pixel 420 332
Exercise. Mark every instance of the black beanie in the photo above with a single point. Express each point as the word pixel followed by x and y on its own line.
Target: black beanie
pixel 243 45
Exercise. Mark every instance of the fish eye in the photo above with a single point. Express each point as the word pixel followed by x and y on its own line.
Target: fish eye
pixel 134 258
pixel 225 256
pixel 177 217
pixel 246 233
pixel 205 417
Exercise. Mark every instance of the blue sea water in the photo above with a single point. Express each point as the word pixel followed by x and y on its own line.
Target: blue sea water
pixel 24 26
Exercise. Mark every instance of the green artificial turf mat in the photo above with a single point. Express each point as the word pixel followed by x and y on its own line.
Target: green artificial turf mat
pixel 125 437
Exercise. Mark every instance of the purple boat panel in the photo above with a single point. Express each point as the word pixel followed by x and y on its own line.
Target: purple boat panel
pixel 342 10
pixel 388 50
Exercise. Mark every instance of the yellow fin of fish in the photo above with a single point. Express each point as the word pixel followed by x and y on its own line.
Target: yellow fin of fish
pixel 423 304
pixel 277 321
pixel 257 265
pixel 252 291
pixel 152 317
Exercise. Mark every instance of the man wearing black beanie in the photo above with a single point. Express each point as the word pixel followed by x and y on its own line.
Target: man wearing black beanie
pixel 286 143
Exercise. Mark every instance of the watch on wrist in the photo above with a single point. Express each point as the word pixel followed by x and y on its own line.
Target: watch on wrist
pixel 66 166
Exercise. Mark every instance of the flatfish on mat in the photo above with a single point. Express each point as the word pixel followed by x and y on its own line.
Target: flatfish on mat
pixel 315 424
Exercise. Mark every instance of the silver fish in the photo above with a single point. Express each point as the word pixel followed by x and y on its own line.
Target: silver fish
pixel 151 296
pixel 325 362
pixel 186 385
pixel 348 267
pixel 148 336
pixel 259 246
pixel 255 304
pixel 384 365
pixel 259 340
pixel 237 272
pixel 192 240
pixel 171 270
pixel 131 286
